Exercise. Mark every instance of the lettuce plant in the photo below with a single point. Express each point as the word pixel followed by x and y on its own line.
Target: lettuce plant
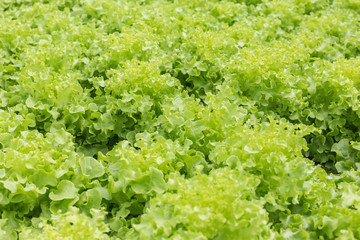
pixel 169 119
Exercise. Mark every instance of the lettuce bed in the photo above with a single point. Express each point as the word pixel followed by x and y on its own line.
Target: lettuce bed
pixel 158 119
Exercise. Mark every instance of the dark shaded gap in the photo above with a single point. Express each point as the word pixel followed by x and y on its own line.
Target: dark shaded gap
pixel 113 141
pixel 197 86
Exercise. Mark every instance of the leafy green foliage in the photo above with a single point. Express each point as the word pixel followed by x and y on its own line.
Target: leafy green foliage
pixel 168 119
